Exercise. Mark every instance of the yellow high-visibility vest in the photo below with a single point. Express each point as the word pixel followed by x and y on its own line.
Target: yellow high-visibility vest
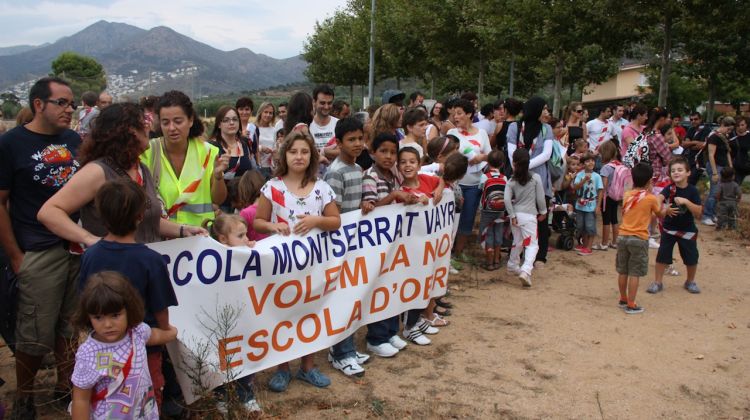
pixel 198 207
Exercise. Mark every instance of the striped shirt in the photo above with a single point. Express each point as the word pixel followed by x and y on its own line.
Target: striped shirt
pixel 375 186
pixel 346 182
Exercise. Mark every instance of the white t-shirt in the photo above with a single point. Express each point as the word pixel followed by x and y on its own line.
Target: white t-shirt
pixel 323 134
pixel 470 146
pixel 402 144
pixel 617 127
pixel 599 132
pixel 267 139
pixel 488 125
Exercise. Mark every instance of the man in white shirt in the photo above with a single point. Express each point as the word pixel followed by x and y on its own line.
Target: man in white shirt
pixel 618 122
pixel 600 129
pixel 323 126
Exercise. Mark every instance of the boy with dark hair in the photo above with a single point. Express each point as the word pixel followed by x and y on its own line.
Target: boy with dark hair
pixel 345 178
pixel 492 215
pixel 728 198
pixel 683 203
pixel 632 245
pixel 588 186
pixel 121 204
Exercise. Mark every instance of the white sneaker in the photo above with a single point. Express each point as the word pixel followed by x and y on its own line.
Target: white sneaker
pixel 452 270
pixel 397 342
pixel 382 350
pixel 652 243
pixel 416 336
pixel 348 366
pixel 425 327
pixel 708 222
pixel 512 271
pixel 525 279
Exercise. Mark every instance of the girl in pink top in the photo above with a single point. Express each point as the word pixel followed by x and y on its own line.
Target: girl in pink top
pixel 248 194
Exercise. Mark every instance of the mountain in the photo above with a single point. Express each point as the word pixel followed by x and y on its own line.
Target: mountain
pixel 17 49
pixel 127 50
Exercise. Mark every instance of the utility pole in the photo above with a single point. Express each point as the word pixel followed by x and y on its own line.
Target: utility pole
pixel 371 80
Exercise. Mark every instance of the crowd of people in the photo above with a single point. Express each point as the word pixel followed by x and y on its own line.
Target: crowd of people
pixel 78 206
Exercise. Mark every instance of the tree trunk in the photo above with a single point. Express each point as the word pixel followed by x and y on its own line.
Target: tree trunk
pixel 559 68
pixel 711 99
pixel 665 61
pixel 480 83
pixel 512 68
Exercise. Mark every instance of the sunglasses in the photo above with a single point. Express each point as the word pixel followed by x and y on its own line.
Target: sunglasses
pixel 62 102
pixel 579 111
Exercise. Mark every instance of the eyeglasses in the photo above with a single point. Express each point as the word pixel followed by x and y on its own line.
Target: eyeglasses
pixel 230 120
pixel 62 102
pixel 580 111
pixel 695 119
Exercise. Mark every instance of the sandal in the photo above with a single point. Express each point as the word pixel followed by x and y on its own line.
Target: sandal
pixel 438 321
pixel 443 304
pixel 446 312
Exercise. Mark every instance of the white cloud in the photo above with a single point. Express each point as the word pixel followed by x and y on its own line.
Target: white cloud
pixel 277 29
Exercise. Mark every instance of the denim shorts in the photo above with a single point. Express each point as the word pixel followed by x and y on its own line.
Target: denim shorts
pixel 495 233
pixel 586 222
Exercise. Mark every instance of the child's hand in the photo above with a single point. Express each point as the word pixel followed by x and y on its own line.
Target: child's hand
pixel 672 211
pixel 367 206
pixel 514 221
pixel 305 223
pixel 541 217
pixel 323 160
pixel 409 198
pixel 681 201
pixel 221 165
pixel 587 177
pixel 281 229
pixel 423 199
pixel 250 244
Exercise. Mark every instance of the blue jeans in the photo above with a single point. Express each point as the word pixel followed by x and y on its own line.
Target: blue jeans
pixel 344 349
pixel 472 195
pixel 709 211
pixel 380 332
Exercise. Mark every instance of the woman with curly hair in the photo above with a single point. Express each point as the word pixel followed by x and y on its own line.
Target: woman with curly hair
pixel 118 138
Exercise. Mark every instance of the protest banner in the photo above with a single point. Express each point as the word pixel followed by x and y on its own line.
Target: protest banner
pixel 242 310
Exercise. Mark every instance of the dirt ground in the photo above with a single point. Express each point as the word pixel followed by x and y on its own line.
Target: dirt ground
pixel 562 349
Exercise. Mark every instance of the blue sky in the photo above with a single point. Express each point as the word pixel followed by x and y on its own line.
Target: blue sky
pixel 274 28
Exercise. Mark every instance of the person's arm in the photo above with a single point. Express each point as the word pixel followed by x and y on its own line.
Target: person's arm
pixel 332 152
pixel 508 198
pixel 510 144
pixel 79 191
pixel 605 185
pixel 218 186
pixel 329 220
pixel 162 318
pixel 729 159
pixel 599 196
pixel 541 202
pixel 81 404
pixel 579 184
pixel 543 157
pixel 169 229
pixel 7 238
pixel 695 209
pixel 336 181
pixel 162 336
pixel 712 161
pixel 262 222
pixel 437 193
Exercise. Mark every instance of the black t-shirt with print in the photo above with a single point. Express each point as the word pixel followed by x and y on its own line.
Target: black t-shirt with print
pixel 33 167
pixel 683 221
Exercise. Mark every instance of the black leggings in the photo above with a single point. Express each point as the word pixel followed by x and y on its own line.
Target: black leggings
pixel 543 233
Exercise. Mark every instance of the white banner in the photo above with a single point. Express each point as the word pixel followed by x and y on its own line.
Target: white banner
pixel 242 310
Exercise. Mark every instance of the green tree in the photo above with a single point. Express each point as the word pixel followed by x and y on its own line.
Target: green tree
pixel 11 104
pixel 83 73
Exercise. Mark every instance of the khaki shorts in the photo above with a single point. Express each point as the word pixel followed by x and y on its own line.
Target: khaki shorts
pixel 47 299
pixel 632 256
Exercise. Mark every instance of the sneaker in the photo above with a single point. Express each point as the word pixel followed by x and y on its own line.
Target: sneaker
pixel 452 270
pixel 622 303
pixel 708 221
pixel 362 358
pixel 252 406
pixel 382 350
pixel 23 408
pixel 585 252
pixel 671 270
pixel 578 247
pixel 424 326
pixel 655 287
pixel 653 244
pixel 630 310
pixel 692 287
pixel 348 366
pixel 612 245
pixel 599 247
pixel 512 271
pixel 314 377
pixel 279 382
pixel 456 265
pixel 525 279
pixel 416 336
pixel 397 342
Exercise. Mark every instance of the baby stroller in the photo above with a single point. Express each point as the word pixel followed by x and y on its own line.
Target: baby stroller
pixel 564 223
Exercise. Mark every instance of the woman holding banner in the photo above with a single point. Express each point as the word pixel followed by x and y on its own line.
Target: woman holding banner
pixel 118 138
